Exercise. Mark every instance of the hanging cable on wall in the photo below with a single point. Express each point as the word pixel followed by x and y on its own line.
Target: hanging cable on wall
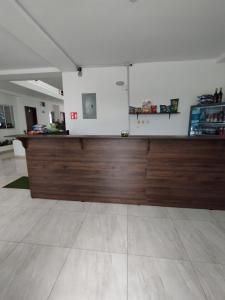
pixel 128 94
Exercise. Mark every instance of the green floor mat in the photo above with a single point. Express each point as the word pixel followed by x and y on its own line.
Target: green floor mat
pixel 21 183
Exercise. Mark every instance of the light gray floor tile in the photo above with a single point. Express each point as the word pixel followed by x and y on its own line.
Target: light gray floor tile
pixel 22 199
pixel 154 237
pixel 4 210
pixel 221 225
pixel 37 203
pixel 76 206
pixel 190 214
pixel 15 225
pixel 5 249
pixel 104 233
pixel 5 194
pixel 13 200
pixel 21 192
pixel 108 208
pixel 58 227
pixel 203 241
pixel 29 272
pixel 92 276
pixel 212 277
pixel 219 215
pixel 162 279
pixel 14 192
pixel 147 211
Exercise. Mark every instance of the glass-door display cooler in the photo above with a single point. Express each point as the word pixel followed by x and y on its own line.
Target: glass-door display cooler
pixel 208 119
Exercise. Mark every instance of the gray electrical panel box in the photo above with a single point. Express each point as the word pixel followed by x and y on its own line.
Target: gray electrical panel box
pixel 89 106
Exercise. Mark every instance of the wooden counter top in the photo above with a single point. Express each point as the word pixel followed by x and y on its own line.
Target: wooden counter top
pixel 151 137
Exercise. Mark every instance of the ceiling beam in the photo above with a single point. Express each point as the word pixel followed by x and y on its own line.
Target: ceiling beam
pixel 27 30
pixel 15 90
pixel 28 71
pixel 32 85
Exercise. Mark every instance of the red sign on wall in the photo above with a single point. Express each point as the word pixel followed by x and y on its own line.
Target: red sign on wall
pixel 73 115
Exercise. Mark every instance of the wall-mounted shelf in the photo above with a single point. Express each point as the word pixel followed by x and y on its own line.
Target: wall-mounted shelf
pixel 158 113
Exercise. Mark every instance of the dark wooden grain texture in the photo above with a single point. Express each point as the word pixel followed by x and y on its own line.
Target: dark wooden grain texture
pixel 165 171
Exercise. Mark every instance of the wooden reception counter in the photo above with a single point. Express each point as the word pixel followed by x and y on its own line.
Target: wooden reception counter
pixel 152 170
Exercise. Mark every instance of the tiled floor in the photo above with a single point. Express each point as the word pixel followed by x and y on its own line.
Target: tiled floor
pixel 60 250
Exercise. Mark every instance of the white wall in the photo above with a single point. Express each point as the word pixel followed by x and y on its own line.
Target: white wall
pixel 112 105
pixel 158 82
pixel 162 81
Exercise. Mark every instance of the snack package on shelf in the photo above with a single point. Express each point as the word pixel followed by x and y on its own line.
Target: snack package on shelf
pixel 146 106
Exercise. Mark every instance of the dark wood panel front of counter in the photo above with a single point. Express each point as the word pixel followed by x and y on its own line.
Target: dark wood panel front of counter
pixel 166 171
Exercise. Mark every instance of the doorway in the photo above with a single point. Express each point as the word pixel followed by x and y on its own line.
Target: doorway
pixel 31 116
